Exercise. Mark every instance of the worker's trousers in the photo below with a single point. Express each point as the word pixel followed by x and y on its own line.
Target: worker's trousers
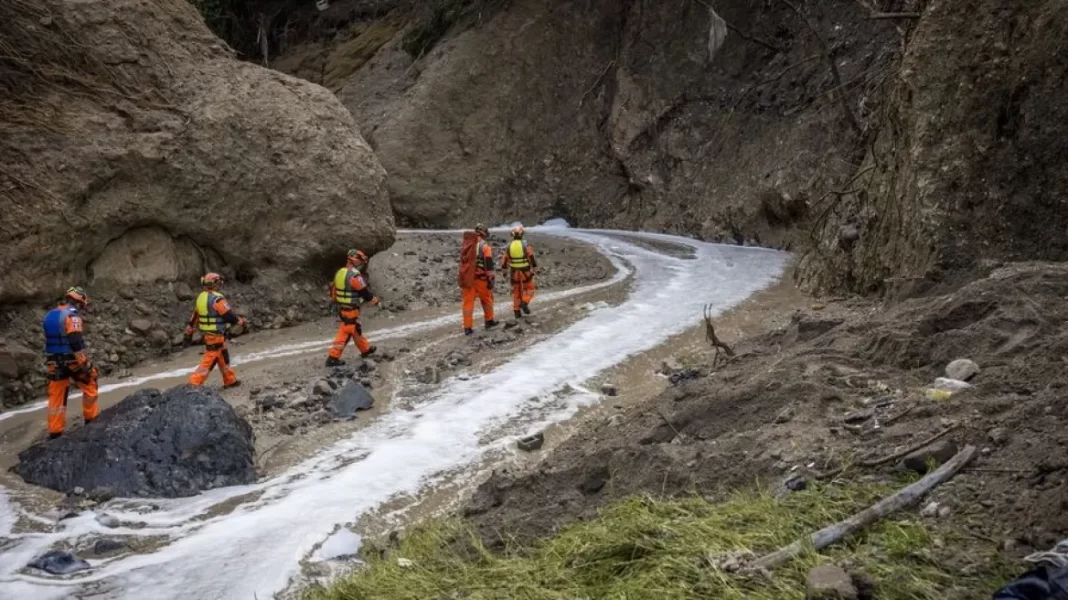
pixel 481 290
pixel 61 370
pixel 216 354
pixel 349 329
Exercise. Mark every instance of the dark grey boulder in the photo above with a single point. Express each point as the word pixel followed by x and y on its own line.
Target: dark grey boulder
pixel 349 399
pixel 151 444
pixel 58 562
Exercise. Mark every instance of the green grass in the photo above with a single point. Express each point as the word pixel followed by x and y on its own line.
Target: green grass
pixel 666 549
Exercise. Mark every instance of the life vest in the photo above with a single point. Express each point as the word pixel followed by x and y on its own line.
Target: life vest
pixel 517 255
pixel 344 294
pixel 55 330
pixel 208 319
pixel 483 265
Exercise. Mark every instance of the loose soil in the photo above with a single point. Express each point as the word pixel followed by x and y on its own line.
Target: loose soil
pixel 779 410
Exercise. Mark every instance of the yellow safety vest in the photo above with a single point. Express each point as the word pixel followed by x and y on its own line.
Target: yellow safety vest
pixel 344 294
pixel 208 320
pixel 517 255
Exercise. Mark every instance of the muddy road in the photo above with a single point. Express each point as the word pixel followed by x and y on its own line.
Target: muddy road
pixel 448 409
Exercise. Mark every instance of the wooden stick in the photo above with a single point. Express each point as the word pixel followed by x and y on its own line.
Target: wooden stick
pixel 903 498
pixel 897 15
pixel 908 450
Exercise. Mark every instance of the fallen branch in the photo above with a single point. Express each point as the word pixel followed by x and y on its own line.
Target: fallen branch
pixel 678 434
pixel 903 498
pixel 908 450
pixel 710 335
pixel 895 15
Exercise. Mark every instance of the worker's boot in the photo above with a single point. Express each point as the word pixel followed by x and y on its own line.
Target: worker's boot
pixel 469 332
pixel 369 352
pixel 53 436
pixel 334 362
pixel 518 314
pixel 525 308
pixel 491 324
pixel 232 385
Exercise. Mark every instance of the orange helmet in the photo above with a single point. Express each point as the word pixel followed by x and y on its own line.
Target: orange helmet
pixel 211 280
pixel 77 295
pixel 517 232
pixel 357 256
pixel 481 230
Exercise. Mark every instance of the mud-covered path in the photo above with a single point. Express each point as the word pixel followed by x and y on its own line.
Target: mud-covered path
pixel 243 542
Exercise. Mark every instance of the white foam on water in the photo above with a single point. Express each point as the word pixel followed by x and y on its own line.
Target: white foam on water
pixel 254 550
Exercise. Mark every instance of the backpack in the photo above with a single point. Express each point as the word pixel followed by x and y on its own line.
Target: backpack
pixel 468 254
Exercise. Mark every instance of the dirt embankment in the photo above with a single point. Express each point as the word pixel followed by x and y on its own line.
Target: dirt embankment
pixel 841 386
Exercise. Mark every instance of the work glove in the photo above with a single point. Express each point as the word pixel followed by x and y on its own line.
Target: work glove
pixel 375 301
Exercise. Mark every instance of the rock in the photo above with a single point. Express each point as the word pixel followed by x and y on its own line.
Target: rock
pixel 531 442
pixel 78 490
pixel 170 444
pixel 785 415
pixel 178 339
pixel 108 521
pixel 158 338
pixel 107 546
pixel 609 390
pixel 829 582
pixel 140 326
pixel 930 510
pixel 142 229
pixel 999 435
pixel 101 494
pixel 595 480
pixel 323 387
pixel 16 360
pixel 865 585
pixel 269 402
pixel 615 420
pixel 405 563
pixel 859 416
pixel 940 451
pixel 944 511
pixel 962 369
pixel 58 562
pixel 183 291
pixel 349 399
pixel 685 375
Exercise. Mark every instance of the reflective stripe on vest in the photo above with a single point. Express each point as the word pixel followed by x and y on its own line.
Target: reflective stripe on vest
pixel 55 331
pixel 344 294
pixel 517 255
pixel 208 320
pixel 481 264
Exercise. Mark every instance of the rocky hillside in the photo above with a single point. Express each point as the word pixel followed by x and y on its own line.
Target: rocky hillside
pixel 136 152
pixel 891 140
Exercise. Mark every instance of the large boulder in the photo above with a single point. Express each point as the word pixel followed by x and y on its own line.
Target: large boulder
pixel 134 147
pixel 152 444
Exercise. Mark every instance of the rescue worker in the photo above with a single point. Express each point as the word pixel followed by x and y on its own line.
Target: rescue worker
pixel 213 317
pixel 520 259
pixel 348 290
pixel 66 359
pixel 482 284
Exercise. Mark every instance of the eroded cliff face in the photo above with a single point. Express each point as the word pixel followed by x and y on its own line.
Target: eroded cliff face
pixel 136 153
pixel 662 115
pixel 124 115
pixel 968 168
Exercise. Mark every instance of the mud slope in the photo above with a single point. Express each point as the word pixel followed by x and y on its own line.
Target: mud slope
pixel 843 384
pixel 136 151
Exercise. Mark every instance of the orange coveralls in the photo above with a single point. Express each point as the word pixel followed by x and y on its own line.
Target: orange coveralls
pixel 482 288
pixel 211 316
pixel 519 256
pixel 66 360
pixel 346 291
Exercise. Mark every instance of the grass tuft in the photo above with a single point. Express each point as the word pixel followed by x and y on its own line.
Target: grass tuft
pixel 667 549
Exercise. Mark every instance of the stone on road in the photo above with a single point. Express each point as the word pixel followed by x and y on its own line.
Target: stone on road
pixel 151 444
pixel 58 562
pixel 349 399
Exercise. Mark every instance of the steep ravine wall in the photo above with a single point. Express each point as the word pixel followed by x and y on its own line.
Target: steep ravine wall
pixel 136 152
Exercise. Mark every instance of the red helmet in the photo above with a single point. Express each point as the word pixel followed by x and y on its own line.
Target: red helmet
pixel 357 256
pixel 211 280
pixel 481 230
pixel 77 295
